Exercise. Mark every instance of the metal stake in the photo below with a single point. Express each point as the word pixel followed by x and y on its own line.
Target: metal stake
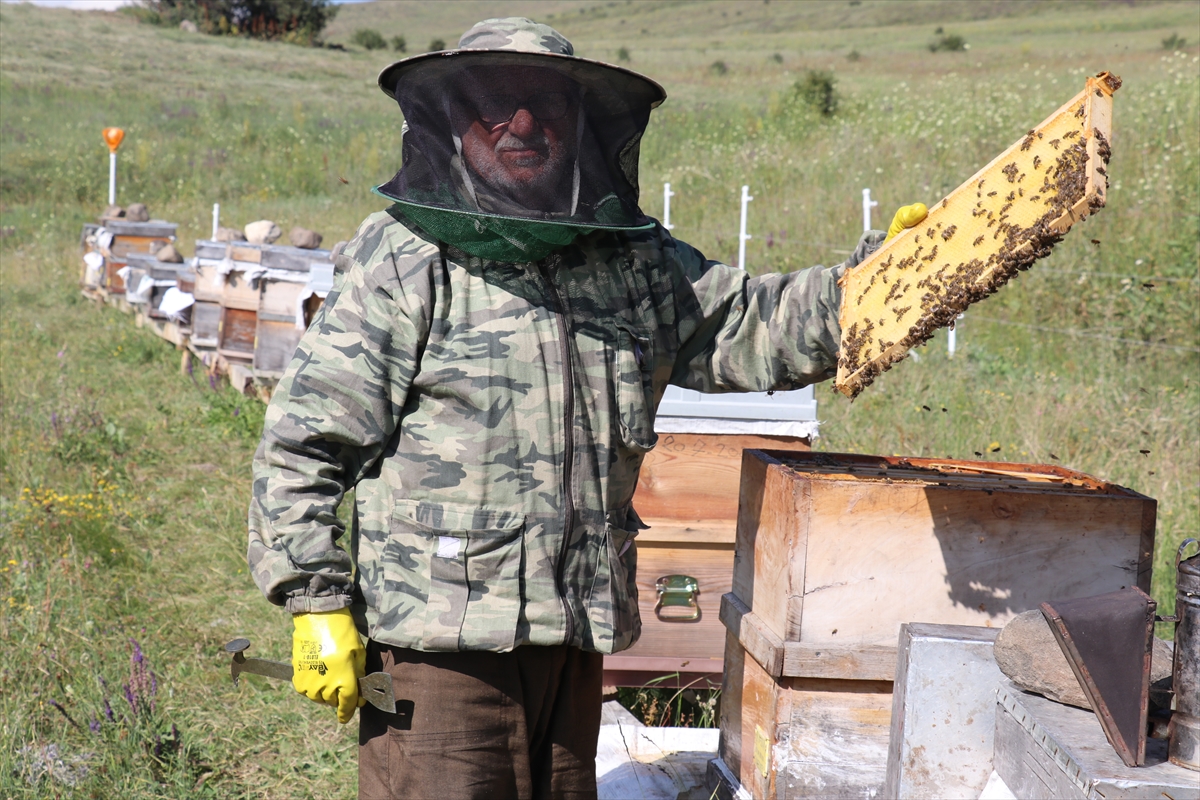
pixel 868 204
pixel 742 235
pixel 112 178
pixel 216 220
pixel 667 195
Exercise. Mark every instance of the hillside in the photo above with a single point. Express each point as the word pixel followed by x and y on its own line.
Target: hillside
pixel 124 481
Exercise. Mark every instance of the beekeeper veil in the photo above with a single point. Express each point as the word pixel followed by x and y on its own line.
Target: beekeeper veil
pixel 513 146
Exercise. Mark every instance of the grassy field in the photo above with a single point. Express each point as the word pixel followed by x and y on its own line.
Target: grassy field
pixel 125 480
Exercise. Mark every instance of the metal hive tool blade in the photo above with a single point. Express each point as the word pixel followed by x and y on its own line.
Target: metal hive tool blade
pixel 1107 640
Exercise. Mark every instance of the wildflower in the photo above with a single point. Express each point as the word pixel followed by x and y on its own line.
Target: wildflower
pixel 94 725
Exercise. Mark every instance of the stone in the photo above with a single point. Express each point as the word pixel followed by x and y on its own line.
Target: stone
pixel 137 212
pixel 230 235
pixel 113 212
pixel 1027 652
pixel 304 238
pixel 187 26
pixel 168 254
pixel 262 232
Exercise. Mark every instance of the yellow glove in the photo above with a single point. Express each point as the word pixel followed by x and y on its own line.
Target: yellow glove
pixel 906 217
pixel 328 659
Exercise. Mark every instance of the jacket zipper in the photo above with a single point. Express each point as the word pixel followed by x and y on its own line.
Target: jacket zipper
pixel 564 349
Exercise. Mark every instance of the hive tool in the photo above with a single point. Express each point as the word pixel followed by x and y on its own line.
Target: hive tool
pixel 375 688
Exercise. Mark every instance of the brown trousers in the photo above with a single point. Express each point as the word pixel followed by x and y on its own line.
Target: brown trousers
pixel 482 725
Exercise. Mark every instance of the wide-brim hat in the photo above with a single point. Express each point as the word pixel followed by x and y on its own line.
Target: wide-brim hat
pixel 518 41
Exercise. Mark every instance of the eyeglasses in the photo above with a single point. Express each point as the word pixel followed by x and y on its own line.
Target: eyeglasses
pixel 497 109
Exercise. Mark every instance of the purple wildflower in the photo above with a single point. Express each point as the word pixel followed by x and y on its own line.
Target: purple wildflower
pixel 94 725
pixel 108 712
pixel 129 698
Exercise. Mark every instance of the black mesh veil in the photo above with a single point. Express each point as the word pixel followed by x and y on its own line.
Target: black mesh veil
pixel 532 137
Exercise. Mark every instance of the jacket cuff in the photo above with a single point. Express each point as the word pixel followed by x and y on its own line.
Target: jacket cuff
pixel 303 604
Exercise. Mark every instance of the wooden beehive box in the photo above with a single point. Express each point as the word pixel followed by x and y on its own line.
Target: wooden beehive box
pixel 292 288
pixel 688 494
pixel 835 551
pixel 117 239
pixel 164 275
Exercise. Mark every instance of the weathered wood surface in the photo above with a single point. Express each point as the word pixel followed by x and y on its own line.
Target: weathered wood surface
pixel 236 335
pixel 152 229
pixel 712 566
pixel 1047 749
pixel 837 739
pixel 845 558
pixel 695 477
pixel 274 344
pixel 240 293
pixel 801 659
pixel 280 298
pixel 206 324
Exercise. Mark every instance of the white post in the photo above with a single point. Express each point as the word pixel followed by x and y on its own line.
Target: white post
pixel 112 178
pixel 868 204
pixel 742 235
pixel 216 220
pixel 667 195
pixel 951 342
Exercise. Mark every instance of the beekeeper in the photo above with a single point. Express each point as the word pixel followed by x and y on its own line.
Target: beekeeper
pixel 484 377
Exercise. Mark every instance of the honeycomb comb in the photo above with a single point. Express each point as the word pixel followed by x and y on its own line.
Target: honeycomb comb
pixel 1008 215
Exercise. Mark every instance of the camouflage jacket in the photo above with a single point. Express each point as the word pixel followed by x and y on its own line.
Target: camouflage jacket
pixel 492 418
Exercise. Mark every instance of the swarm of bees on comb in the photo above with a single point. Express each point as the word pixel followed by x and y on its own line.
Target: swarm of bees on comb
pixel 1007 216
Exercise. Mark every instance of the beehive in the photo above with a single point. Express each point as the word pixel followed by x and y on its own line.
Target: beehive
pixel 834 552
pixel 1008 215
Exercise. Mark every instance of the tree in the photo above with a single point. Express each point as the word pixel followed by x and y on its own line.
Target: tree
pixel 299 21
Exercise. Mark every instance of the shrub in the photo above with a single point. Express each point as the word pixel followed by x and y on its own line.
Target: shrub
pixel 817 89
pixel 296 21
pixel 853 55
pixel 399 44
pixel 437 45
pixel 1174 42
pixel 951 42
pixel 718 68
pixel 623 54
pixel 777 58
pixel 368 39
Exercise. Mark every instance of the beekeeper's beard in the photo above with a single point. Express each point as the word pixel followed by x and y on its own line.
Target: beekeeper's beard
pixel 534 180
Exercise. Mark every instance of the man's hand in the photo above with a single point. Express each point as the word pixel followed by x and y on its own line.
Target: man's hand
pixel 328 659
pixel 906 217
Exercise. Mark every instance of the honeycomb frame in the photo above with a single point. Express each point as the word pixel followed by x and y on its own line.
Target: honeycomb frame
pixel 998 223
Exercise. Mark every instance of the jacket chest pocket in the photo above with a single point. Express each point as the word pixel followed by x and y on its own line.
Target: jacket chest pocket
pixel 633 379
pixel 475 558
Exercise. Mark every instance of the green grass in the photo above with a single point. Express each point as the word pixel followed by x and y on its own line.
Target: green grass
pixel 125 481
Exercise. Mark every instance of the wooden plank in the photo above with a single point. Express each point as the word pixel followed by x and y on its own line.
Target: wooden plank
pixel 122 245
pixel 236 334
pixel 837 739
pixel 798 659
pixel 775 589
pixel 696 476
pixel 760 730
pixel 730 749
pixel 712 566
pixel 206 324
pixel 248 253
pixel 280 298
pixel 759 642
pixel 275 344
pixel 852 662
pixel 720 531
pixel 954 556
pixel 240 293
